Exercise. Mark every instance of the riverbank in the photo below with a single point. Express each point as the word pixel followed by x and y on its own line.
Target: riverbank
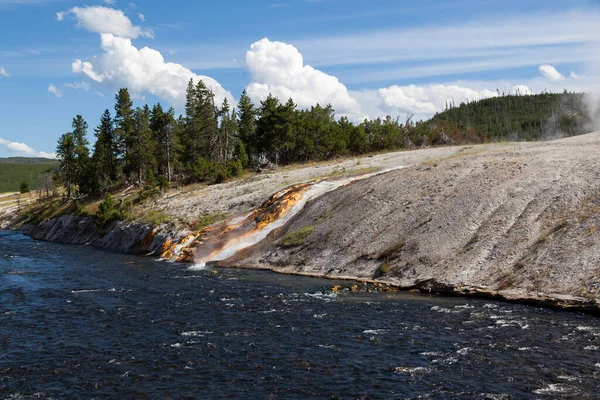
pixel 518 223
pixel 511 221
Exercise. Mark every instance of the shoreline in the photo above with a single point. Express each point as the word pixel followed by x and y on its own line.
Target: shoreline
pixel 516 223
pixel 565 303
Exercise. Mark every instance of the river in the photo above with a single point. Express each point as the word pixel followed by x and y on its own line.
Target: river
pixel 81 323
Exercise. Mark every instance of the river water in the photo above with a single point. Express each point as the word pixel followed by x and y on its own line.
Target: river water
pixel 80 323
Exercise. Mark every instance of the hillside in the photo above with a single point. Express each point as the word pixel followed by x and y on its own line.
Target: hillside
pixel 534 117
pixel 14 170
pixel 519 221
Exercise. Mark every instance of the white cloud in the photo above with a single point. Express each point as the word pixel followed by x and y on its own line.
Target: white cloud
pixel 21 148
pixel 521 90
pixel 83 85
pixel 54 90
pixel 423 101
pixel 141 17
pixel 47 155
pixel 510 36
pixel 278 68
pixel 105 20
pixel 24 150
pixel 143 71
pixel 110 1
pixel 4 72
pixel 551 73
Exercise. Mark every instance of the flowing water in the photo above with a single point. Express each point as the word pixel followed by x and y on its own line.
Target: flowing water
pixel 79 323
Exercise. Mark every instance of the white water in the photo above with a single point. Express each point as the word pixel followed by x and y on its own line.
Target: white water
pixel 314 191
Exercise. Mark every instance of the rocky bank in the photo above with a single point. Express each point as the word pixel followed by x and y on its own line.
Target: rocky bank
pixel 130 238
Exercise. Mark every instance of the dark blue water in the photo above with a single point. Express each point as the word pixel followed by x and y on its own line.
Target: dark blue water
pixel 79 323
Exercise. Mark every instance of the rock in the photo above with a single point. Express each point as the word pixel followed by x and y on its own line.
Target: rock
pixel 131 238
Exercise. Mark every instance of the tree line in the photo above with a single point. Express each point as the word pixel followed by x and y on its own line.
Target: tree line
pixel 210 143
pixel 531 117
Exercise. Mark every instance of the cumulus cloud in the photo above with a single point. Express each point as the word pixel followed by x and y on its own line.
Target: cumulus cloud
pixel 24 150
pixel 105 20
pixel 278 68
pixel 54 90
pixel 142 71
pixel 522 90
pixel 21 148
pixel 141 17
pixel 550 72
pixel 4 72
pixel 427 100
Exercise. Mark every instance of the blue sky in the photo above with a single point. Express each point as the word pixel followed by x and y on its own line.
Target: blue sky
pixel 59 58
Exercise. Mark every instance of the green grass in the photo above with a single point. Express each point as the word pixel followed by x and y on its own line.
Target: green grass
pixel 207 219
pixel 296 238
pixel 154 217
pixel 15 170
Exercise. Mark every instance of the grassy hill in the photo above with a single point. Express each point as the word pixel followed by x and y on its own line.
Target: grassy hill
pixel 534 117
pixel 14 170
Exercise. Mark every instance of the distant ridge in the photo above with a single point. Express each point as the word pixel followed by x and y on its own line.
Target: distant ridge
pixel 14 170
pixel 27 160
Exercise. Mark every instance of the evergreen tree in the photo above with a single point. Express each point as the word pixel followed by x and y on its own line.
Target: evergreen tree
pixel 266 126
pixel 123 127
pixel 227 135
pixel 205 116
pixel 24 188
pixel 65 152
pixel 104 151
pixel 141 154
pixel 84 172
pixel 164 129
pixel 246 121
pixel 201 132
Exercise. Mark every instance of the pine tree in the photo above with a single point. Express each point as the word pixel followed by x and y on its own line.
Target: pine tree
pixel 246 122
pixel 201 126
pixel 65 152
pixel 227 133
pixel 205 117
pixel 123 127
pixel 104 151
pixel 163 126
pixel 84 173
pixel 141 154
pixel 266 126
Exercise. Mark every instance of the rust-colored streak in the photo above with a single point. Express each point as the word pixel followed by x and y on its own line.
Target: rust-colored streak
pixel 148 239
pixel 207 243
pixel 278 205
